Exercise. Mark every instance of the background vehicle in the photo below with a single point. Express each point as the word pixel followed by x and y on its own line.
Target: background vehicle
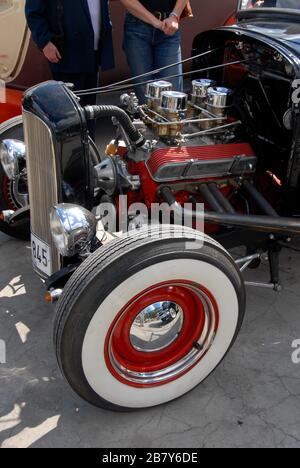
pixel 14 193
pixel 232 144
pixel 13 52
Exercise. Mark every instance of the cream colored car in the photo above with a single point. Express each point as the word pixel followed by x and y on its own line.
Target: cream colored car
pixel 14 41
pixel 14 38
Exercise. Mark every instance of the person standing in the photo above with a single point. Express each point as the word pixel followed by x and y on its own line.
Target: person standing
pixel 152 39
pixel 75 37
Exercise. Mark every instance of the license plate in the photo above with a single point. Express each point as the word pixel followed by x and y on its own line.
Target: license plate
pixel 41 255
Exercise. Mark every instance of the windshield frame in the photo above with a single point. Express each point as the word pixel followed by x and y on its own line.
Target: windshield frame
pixel 265 10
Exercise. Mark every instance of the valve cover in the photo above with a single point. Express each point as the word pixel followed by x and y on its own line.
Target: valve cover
pixel 202 162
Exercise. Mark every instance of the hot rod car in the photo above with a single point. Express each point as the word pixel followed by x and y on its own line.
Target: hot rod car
pixel 144 318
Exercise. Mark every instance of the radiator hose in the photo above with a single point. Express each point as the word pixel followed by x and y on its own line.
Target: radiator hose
pixel 96 112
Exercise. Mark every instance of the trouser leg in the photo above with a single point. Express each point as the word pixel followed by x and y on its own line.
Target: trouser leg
pixel 138 47
pixel 168 51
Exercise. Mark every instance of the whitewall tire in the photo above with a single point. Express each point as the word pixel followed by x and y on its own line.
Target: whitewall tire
pixel 147 318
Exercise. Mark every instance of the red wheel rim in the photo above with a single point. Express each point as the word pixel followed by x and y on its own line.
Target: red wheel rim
pixel 6 194
pixel 199 320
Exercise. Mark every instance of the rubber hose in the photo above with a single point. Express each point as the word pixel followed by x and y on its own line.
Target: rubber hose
pixel 96 112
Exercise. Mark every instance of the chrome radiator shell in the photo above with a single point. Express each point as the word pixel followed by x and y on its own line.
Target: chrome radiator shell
pixel 43 181
pixel 59 160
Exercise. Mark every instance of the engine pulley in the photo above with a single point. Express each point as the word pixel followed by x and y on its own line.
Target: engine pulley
pixel 112 176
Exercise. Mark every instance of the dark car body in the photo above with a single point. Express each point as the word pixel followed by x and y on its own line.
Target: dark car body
pixel 269 42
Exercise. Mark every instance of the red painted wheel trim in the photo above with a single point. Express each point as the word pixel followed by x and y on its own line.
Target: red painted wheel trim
pixel 118 337
pixel 6 196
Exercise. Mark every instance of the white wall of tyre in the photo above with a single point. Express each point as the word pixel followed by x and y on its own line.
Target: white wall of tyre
pixel 94 365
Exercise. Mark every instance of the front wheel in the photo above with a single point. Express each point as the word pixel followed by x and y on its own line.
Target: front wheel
pixel 148 317
pixel 13 193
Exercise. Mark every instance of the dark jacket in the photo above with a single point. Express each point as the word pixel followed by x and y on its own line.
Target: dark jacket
pixel 77 44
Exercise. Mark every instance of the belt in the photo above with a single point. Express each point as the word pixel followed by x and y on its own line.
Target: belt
pixel 161 15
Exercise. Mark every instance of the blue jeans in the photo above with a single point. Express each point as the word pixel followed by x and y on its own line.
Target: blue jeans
pixel 147 49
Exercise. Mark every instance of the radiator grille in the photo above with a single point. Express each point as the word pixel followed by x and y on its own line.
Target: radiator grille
pixel 42 180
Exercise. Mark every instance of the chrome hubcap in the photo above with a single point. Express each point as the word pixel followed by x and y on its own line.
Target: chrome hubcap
pixel 150 345
pixel 156 326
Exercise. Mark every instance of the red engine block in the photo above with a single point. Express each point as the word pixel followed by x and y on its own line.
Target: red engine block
pixel 180 167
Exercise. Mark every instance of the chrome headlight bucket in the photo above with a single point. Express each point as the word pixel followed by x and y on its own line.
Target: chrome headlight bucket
pixel 72 228
pixel 12 152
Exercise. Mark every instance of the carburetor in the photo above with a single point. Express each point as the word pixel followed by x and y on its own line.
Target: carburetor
pixel 154 92
pixel 169 113
pixel 219 100
pixel 200 91
pixel 173 107
pixel 165 106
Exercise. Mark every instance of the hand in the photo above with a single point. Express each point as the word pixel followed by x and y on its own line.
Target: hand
pixel 157 24
pixel 51 53
pixel 170 26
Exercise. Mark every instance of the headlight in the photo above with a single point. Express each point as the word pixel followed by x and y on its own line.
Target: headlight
pixel 11 152
pixel 72 228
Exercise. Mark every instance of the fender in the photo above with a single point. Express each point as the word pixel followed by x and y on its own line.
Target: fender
pixel 13 105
